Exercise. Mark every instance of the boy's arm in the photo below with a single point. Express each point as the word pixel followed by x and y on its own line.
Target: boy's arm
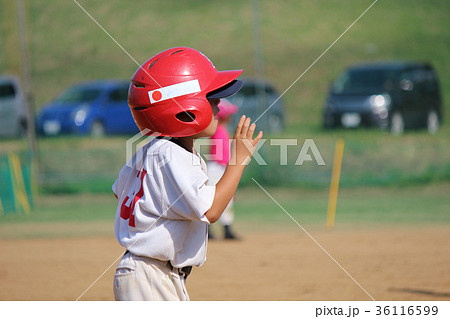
pixel 241 152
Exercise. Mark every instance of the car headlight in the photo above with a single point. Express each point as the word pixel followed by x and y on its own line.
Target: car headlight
pixel 380 103
pixel 79 116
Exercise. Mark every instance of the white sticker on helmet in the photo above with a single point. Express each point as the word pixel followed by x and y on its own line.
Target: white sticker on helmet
pixel 175 90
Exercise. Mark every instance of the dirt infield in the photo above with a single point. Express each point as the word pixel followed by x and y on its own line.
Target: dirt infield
pixel 389 263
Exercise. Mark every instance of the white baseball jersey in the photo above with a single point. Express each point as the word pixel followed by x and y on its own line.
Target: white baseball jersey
pixel 163 197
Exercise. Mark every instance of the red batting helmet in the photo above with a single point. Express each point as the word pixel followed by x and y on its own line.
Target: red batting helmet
pixel 168 93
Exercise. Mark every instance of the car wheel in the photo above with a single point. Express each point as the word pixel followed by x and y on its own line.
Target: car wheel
pixel 397 124
pixel 97 129
pixel 432 122
pixel 328 122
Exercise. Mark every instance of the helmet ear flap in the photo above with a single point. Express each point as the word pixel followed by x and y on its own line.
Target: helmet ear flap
pixel 196 113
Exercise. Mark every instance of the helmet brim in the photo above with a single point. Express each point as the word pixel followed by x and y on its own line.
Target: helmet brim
pixel 226 90
pixel 224 84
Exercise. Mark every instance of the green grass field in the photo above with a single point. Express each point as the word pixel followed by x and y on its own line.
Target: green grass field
pixel 365 207
pixel 93 214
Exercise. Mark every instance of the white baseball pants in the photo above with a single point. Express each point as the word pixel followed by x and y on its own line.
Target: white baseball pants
pixel 141 278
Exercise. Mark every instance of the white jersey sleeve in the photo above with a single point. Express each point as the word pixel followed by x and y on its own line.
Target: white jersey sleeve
pixel 187 195
pixel 119 184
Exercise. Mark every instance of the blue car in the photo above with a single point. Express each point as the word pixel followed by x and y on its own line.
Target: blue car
pixel 95 107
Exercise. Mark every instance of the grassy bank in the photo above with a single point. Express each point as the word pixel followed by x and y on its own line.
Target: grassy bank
pixel 66 46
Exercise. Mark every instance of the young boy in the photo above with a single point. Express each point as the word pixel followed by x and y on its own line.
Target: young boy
pixel 165 204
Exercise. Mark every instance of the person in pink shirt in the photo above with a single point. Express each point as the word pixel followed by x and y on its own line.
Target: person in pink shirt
pixel 218 160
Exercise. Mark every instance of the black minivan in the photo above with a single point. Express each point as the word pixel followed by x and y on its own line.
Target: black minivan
pixel 390 95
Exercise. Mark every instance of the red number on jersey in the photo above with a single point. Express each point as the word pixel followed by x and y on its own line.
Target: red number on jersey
pixel 127 208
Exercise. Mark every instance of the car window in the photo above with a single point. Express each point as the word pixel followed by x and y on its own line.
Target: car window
pixel 419 75
pixel 248 90
pixel 119 95
pixel 7 91
pixel 431 80
pixel 362 82
pixel 419 78
pixel 79 94
pixel 270 90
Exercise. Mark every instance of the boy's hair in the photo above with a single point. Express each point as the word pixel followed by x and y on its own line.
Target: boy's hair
pixel 168 93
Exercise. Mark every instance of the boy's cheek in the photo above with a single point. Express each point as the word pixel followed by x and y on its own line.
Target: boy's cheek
pixel 213 127
pixel 216 123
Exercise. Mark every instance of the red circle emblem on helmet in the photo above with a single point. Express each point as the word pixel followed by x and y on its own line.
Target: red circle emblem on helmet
pixel 168 93
pixel 156 95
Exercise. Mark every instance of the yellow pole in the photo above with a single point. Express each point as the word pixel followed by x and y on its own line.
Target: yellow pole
pixel 20 194
pixel 13 181
pixel 33 180
pixel 334 186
